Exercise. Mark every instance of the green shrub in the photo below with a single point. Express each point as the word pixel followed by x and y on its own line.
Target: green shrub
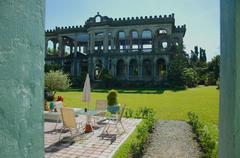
pixel 135 144
pixel 57 80
pixel 128 113
pixel 204 137
pixel 210 80
pixel 189 76
pixel 112 98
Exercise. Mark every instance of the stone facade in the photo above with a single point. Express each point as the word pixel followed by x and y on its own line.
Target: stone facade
pixel 131 49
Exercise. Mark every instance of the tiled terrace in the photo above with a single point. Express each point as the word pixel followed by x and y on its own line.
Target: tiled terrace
pixel 89 145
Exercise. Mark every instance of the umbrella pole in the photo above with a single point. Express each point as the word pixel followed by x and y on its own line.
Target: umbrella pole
pixel 88 127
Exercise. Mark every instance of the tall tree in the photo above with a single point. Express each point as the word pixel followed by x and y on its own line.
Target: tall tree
pixel 214 66
pixel 179 61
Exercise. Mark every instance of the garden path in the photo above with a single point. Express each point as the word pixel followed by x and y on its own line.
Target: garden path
pixel 172 139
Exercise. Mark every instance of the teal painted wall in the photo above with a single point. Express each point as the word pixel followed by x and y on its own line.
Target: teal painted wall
pixel 21 78
pixel 229 125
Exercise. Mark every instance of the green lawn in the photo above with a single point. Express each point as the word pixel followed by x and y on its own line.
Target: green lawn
pixel 168 104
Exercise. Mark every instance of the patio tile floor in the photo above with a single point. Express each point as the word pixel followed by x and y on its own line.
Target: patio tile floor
pixel 89 145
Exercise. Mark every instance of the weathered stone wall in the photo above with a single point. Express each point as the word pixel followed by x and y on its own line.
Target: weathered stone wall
pixel 21 79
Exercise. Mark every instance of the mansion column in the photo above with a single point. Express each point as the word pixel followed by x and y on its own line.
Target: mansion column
pixel 140 69
pixel 105 42
pixel 155 44
pixel 75 59
pixel 61 49
pixel 127 71
pixel 153 69
pixel 54 47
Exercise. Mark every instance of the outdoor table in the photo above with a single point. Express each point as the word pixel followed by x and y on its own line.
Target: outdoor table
pixel 89 114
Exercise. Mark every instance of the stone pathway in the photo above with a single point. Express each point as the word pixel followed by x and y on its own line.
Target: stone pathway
pixel 173 139
pixel 85 145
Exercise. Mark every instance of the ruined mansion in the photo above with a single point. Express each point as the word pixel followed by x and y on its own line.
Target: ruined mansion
pixel 130 49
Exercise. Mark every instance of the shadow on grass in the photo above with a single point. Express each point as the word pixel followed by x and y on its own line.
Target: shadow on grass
pixel 133 90
pixel 141 90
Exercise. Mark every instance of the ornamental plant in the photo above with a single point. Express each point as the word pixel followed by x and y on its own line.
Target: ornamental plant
pixel 57 80
pixel 112 98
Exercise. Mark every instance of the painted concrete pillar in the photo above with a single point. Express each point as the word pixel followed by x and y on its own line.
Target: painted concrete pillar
pixel 229 125
pixel 22 49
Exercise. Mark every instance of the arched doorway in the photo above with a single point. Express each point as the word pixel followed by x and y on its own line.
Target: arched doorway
pixel 133 69
pixel 120 68
pixel 160 69
pixel 98 67
pixel 146 69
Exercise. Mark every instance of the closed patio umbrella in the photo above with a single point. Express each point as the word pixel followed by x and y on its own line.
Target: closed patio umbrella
pixel 86 97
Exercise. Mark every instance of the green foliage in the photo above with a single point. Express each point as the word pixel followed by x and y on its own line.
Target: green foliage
pixel 190 77
pixel 214 66
pixel 206 140
pixel 168 104
pixel 198 56
pixel 178 62
pixel 218 83
pixel 112 97
pixel 52 67
pixel 210 80
pixel 128 112
pixel 57 80
pixel 135 144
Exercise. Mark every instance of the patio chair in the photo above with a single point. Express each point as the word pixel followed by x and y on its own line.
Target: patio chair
pixel 113 121
pixel 69 121
pixel 101 107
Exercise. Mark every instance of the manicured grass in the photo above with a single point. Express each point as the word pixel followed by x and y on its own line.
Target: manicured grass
pixel 168 104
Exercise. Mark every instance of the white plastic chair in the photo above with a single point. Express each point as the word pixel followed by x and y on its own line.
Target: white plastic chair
pixel 101 107
pixel 114 122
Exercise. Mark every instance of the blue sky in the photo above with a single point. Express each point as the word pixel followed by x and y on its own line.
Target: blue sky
pixel 202 17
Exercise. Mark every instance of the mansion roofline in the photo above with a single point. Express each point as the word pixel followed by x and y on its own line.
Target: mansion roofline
pixel 107 21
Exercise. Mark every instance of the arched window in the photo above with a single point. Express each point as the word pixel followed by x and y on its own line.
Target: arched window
pixel 50 47
pixel 98 19
pixel 134 35
pixel 67 50
pixel 121 35
pixel 146 34
pixel 122 40
pixel 162 31
pixel 147 41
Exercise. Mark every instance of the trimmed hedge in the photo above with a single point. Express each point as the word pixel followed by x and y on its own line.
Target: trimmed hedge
pixel 135 144
pixel 206 140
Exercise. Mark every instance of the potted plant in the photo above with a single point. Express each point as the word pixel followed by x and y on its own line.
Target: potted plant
pixel 113 106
